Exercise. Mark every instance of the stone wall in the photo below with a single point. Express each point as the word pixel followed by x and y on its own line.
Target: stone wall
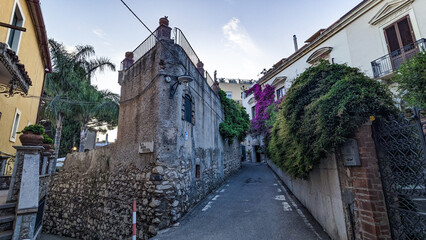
pixel 91 197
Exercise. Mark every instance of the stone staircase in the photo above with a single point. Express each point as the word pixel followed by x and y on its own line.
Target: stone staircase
pixel 7 216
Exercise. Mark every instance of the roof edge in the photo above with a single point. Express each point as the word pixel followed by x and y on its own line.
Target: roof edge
pixel 38 22
pixel 345 20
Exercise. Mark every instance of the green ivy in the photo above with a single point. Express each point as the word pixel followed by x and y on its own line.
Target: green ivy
pixel 237 121
pixel 325 105
pixel 411 79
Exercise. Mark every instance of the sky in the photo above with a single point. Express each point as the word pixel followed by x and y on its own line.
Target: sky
pixel 238 38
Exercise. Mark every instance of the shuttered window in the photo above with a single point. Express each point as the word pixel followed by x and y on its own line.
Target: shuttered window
pixel 188 109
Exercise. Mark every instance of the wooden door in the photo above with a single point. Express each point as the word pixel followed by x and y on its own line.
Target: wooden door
pixel 400 41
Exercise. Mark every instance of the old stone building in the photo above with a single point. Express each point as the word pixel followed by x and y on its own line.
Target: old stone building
pixel 168 156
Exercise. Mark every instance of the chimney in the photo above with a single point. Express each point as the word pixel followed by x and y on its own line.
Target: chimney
pixel 164 31
pixel 200 67
pixel 215 75
pixel 295 43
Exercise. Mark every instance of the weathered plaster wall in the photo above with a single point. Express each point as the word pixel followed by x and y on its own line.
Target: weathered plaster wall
pixel 91 197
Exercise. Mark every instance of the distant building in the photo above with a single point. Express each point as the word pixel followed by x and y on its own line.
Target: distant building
pixel 235 88
pixel 24 62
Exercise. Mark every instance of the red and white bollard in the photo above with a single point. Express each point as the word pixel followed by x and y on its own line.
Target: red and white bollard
pixel 134 221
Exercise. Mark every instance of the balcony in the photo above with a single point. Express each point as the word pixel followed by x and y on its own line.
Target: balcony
pixel 391 62
pixel 13 77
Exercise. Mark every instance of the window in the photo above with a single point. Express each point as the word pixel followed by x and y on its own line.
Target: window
pixel 229 95
pixel 253 112
pixel 280 93
pixel 14 36
pixel 197 171
pixel 15 125
pixel 400 40
pixel 188 109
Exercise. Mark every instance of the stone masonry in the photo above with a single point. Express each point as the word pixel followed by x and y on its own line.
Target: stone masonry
pixel 91 197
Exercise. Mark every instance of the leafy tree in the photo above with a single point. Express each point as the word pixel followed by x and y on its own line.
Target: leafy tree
pixel 236 122
pixel 411 79
pixel 98 110
pixel 71 72
pixel 325 105
pixel 70 136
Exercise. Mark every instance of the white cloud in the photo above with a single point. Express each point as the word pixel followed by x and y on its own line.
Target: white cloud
pixel 99 32
pixel 69 48
pixel 238 36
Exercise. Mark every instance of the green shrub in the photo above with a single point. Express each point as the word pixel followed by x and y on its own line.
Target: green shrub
pixel 411 79
pixel 237 121
pixel 325 105
pixel 36 129
pixel 47 139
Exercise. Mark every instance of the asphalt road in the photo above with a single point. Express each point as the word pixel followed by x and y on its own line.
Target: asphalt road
pixel 252 204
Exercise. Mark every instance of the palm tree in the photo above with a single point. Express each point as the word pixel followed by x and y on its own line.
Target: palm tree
pixel 71 71
pixel 98 110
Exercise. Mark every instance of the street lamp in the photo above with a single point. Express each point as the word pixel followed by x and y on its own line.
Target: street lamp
pixel 185 79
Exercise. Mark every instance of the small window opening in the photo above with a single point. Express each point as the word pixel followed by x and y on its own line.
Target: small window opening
pixel 197 171
pixel 188 109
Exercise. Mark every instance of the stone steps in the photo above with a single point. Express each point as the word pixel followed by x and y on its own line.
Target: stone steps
pixel 6 235
pixel 7 216
pixel 7 209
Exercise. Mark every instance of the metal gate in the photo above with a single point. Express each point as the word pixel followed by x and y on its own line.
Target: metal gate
pixel 401 151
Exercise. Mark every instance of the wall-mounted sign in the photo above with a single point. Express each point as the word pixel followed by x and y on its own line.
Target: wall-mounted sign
pixel 146 147
pixel 350 153
pixel 186 136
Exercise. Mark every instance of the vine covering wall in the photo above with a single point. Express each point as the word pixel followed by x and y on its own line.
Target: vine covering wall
pixel 325 105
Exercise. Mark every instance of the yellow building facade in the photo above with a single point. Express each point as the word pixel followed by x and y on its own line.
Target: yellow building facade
pixel 24 63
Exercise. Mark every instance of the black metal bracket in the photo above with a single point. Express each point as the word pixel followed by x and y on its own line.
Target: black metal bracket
pixel 173 88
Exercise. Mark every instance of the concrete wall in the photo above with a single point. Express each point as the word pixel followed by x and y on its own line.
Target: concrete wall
pixel 321 195
pixel 91 197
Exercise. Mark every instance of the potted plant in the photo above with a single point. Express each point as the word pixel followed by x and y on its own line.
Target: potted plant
pixel 32 135
pixel 47 142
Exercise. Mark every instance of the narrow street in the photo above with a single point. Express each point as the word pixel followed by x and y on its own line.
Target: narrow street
pixel 252 204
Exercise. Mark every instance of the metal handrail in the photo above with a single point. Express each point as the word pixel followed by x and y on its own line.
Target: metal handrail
pixel 392 61
pixel 182 41
pixel 143 48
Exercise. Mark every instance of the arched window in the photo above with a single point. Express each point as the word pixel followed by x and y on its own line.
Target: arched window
pixel 188 109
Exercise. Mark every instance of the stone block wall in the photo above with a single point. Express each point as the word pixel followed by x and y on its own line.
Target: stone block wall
pixel 91 198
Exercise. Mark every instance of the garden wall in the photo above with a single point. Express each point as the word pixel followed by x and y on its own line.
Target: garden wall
pixel 321 195
pixel 347 201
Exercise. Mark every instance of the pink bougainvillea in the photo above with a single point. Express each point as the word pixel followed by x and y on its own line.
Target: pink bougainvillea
pixel 264 96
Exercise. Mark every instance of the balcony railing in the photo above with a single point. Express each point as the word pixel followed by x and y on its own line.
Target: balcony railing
pixel 143 48
pixel 391 62
pixel 179 39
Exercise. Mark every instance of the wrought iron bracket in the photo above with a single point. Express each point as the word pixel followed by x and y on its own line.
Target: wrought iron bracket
pixel 173 88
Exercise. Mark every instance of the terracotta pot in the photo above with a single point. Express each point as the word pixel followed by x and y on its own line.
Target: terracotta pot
pixel 164 21
pixel 31 139
pixel 47 147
